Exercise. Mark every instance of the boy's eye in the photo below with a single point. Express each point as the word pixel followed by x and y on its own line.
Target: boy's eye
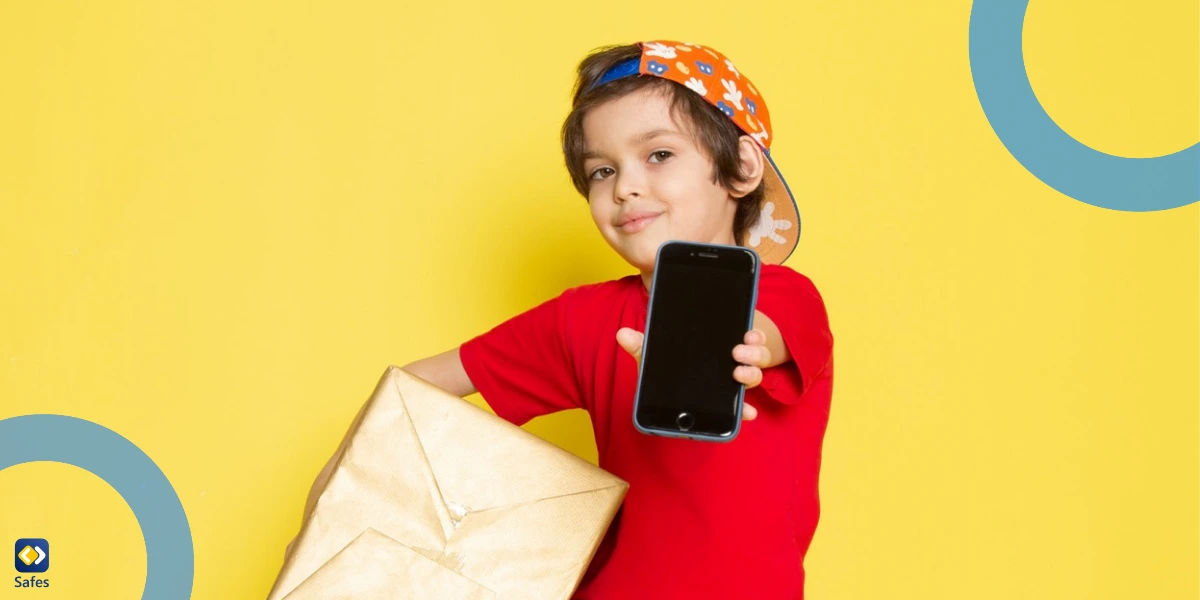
pixel 661 155
pixel 601 173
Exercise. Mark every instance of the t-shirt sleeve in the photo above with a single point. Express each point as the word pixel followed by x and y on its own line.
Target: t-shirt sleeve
pixel 795 306
pixel 522 366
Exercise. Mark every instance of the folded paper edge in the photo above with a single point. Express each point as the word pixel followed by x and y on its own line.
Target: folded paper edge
pixel 442 505
pixel 393 372
pixel 422 557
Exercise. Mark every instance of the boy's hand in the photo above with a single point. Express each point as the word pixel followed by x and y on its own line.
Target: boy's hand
pixel 752 354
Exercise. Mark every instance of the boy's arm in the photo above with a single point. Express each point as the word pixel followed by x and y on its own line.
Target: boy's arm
pixel 443 370
pixel 777 349
pixel 796 332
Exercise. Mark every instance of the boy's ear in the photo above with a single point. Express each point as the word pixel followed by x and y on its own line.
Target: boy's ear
pixel 751 164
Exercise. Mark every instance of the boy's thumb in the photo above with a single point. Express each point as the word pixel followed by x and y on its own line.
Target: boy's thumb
pixel 631 341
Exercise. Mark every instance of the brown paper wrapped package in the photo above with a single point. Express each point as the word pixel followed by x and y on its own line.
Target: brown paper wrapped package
pixel 435 498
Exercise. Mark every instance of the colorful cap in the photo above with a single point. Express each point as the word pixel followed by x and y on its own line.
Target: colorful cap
pixel 713 76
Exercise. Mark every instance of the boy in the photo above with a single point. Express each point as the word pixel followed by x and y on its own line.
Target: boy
pixel 669 141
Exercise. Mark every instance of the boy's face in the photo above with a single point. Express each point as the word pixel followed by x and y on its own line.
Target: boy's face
pixel 650 181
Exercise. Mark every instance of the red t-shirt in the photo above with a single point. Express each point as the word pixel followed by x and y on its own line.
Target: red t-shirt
pixel 701 519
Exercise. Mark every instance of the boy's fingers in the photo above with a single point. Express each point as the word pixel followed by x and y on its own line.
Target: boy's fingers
pixel 748 376
pixel 755 337
pixel 631 341
pixel 755 356
pixel 749 413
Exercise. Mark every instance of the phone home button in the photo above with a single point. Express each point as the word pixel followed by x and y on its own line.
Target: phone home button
pixel 685 421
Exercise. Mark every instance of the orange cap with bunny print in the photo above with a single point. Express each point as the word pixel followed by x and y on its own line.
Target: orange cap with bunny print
pixel 710 74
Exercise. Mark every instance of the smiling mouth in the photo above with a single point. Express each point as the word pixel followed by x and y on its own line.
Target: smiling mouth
pixel 638 224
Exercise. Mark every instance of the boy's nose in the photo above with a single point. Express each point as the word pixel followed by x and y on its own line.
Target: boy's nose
pixel 628 188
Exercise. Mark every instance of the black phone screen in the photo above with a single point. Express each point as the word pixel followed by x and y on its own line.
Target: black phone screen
pixel 701 308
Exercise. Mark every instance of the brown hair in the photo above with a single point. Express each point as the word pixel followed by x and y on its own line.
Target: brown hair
pixel 716 135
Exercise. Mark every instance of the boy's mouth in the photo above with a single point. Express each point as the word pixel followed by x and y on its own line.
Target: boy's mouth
pixel 636 221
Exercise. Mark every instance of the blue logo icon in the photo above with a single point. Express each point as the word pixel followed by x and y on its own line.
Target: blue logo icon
pixel 32 555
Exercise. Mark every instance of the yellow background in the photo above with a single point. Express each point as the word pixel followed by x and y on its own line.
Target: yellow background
pixel 220 222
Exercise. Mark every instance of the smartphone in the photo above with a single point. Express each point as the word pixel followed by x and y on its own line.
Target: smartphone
pixel 702 301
